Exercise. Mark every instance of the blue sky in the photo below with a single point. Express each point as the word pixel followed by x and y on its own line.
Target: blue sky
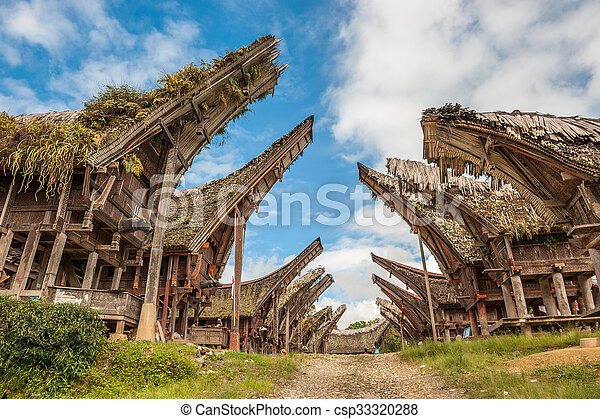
pixel 365 69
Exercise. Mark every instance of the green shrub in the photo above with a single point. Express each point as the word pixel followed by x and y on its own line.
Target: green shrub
pixel 44 346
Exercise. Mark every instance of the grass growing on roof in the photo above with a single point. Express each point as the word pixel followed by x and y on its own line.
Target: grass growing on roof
pixel 47 151
pixel 476 366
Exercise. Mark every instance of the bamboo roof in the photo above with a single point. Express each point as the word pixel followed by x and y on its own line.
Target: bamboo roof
pixel 357 340
pixel 255 292
pixel 573 139
pixel 499 204
pixel 99 138
pixel 442 291
pixel 449 230
pixel 196 212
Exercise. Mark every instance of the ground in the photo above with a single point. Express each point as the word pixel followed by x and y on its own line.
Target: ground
pixel 384 376
pixel 566 356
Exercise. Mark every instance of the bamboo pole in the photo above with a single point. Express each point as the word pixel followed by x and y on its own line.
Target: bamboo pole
pixel 427 287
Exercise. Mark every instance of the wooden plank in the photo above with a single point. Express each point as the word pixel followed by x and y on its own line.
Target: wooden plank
pixel 5 242
pixel 174 143
pixel 9 197
pixel 584 229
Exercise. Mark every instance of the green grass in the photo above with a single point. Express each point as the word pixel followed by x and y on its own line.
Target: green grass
pixel 476 366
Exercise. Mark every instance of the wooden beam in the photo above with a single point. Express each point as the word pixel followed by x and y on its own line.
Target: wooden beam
pixel 174 143
pixel 27 258
pixel 9 197
pixel 5 242
pixel 54 262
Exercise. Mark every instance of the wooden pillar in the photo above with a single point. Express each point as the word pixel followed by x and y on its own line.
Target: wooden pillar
pixel 549 303
pixel 174 313
pixel 595 257
pixel 287 330
pixel 508 301
pixel 27 258
pixel 97 277
pixel 517 287
pixel 275 323
pixel 168 279
pixel 574 306
pixel 473 322
pixel 483 319
pixel 186 318
pixel 5 242
pixel 147 322
pixel 90 268
pixel 116 281
pixel 561 293
pixel 427 287
pixel 446 334
pixel 54 262
pixel 585 283
pixel 239 230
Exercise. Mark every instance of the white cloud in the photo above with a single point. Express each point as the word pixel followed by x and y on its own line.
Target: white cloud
pixel 397 58
pixel 355 311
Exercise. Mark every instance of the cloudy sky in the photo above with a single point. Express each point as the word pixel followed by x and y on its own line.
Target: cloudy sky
pixel 365 69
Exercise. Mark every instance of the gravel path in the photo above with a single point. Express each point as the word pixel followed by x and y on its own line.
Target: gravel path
pixel 383 376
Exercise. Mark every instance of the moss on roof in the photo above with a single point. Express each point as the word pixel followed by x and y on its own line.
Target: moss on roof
pixel 193 211
pixel 355 341
pixel 46 147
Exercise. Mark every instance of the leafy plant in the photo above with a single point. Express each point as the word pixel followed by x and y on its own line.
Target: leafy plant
pixel 133 164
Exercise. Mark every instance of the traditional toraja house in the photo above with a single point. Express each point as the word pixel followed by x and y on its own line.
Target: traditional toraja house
pixel 448 311
pixel 258 298
pixel 451 245
pixel 318 341
pixel 309 325
pixel 77 187
pixel 200 239
pixel 517 246
pixel 398 319
pixel 356 341
pixel 552 161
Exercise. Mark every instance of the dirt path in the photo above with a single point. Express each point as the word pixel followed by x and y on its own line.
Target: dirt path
pixel 566 356
pixel 383 376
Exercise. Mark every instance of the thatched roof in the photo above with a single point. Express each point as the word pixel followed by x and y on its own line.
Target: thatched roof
pixel 574 139
pixel 394 315
pixel 255 292
pixel 442 291
pixel 324 330
pixel 196 212
pixel 456 236
pixel 119 119
pixel 357 340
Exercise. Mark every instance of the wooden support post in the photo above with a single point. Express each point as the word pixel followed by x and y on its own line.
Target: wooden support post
pixel 547 298
pixel 561 293
pixel 116 281
pixel 508 301
pixel 239 230
pixel 186 317
pixel 446 334
pixel 55 256
pixel 595 257
pixel 168 279
pixel 287 330
pixel 120 327
pixel 517 287
pixel 27 258
pixel 174 312
pixel 473 322
pixel 5 242
pixel 275 322
pixel 90 268
pixel 585 283
pixel 483 319
pixel 147 322
pixel 9 198
pixel 97 277
pixel 427 287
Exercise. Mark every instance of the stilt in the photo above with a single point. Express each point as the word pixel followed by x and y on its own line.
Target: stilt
pixel 287 330
pixel 27 258
pixel 54 262
pixel 446 334
pixel 90 268
pixel 473 322
pixel 549 303
pixel 168 280
pixel 239 230
pixel 186 318
pixel 561 293
pixel 483 319
pixel 147 322
pixel 427 287
pixel 508 301
pixel 5 242
pixel 521 304
pixel 585 283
